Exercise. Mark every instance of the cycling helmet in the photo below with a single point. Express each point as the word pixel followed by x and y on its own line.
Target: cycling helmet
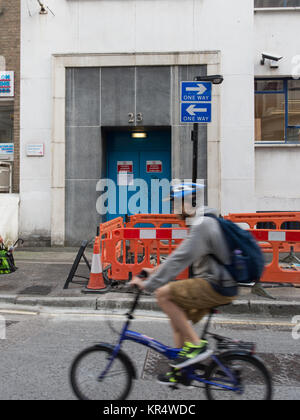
pixel 184 190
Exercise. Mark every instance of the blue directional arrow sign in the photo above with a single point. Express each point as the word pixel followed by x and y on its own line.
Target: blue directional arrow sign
pixel 195 112
pixel 196 98
pixel 196 91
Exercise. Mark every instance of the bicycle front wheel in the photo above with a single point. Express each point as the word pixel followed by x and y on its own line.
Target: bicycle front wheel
pixel 252 379
pixel 94 376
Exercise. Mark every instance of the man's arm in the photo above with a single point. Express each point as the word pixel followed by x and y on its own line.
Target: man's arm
pixel 191 249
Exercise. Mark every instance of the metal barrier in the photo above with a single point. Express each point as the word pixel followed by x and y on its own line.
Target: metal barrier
pixel 274 273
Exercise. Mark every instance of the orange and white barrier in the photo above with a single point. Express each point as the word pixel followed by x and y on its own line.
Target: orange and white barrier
pixel 126 250
pixel 160 234
pixel 277 219
pixel 274 272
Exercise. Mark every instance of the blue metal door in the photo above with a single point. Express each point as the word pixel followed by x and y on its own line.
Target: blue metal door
pixel 135 167
pixel 155 168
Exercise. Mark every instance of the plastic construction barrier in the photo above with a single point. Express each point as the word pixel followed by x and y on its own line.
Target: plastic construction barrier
pixel 276 221
pixel 274 273
pixel 155 220
pixel 128 250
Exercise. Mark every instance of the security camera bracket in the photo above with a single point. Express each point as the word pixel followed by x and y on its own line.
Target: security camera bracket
pixel 269 57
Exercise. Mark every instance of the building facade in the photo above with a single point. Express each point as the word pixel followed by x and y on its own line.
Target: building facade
pixel 94 73
pixel 9 117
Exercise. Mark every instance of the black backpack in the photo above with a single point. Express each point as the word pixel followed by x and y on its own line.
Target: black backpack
pixel 247 260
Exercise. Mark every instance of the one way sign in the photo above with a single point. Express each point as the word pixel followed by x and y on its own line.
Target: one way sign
pixel 196 91
pixel 196 98
pixel 196 112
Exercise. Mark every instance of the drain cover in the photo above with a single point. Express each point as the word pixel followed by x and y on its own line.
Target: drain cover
pixel 36 290
pixel 284 368
pixel 155 364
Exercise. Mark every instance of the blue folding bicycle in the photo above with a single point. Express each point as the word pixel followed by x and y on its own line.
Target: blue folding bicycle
pixel 105 372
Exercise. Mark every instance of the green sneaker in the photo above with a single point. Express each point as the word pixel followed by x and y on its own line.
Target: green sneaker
pixel 191 354
pixel 174 377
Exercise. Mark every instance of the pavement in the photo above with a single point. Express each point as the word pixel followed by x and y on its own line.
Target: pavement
pixel 42 274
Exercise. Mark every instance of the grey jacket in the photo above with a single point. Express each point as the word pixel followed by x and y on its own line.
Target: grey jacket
pixel 205 238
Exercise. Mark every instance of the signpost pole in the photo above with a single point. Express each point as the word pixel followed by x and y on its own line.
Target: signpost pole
pixel 195 152
pixel 196 108
pixel 195 158
pixel 195 140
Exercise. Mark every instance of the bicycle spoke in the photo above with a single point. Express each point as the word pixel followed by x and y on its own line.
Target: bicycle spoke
pixel 250 377
pixel 87 370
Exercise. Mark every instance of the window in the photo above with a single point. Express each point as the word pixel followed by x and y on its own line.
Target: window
pixel 277 110
pixel 276 3
pixel 6 122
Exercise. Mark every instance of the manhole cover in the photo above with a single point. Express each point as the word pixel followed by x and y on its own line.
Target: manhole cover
pixel 36 290
pixel 155 364
pixel 284 368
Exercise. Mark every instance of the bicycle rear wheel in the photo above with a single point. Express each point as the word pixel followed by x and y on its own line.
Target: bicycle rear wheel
pixel 253 379
pixel 92 380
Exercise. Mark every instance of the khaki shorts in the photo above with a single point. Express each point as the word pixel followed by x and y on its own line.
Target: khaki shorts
pixel 196 297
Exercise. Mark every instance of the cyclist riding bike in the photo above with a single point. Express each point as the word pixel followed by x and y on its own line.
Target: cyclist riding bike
pixel 211 285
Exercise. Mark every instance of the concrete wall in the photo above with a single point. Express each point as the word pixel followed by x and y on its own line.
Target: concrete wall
pixel 9 220
pixel 277 170
pixel 277 178
pixel 132 27
pixel 277 32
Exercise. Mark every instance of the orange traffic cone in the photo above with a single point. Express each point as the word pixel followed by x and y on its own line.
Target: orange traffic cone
pixel 96 283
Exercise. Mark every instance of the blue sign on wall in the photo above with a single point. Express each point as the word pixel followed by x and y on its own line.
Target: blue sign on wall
pixel 6 83
pixel 195 112
pixel 196 91
pixel 6 148
pixel 196 98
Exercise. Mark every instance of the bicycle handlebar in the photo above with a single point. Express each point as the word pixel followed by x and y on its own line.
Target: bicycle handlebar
pixel 143 275
pixel 136 300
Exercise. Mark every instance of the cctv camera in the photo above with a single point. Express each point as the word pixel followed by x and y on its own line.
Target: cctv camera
pixel 272 57
pixel 43 10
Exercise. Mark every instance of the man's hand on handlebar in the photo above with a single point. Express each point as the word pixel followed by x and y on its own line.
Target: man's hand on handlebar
pixel 139 279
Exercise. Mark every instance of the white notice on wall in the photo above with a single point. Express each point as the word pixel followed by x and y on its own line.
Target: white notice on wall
pixel 35 150
pixel 125 179
pixel 125 173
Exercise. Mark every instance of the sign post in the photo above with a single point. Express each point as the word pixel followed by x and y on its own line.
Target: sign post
pixel 196 98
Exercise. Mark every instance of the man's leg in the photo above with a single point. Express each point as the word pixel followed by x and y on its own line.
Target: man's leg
pixel 178 339
pixel 183 331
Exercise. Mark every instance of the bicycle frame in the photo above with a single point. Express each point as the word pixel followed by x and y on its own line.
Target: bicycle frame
pixel 170 353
